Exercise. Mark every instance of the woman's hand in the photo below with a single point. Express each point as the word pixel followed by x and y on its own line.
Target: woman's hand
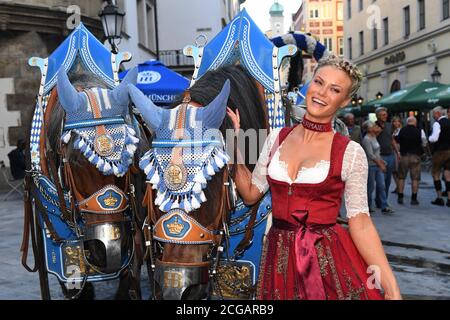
pixel 235 118
pixel 396 296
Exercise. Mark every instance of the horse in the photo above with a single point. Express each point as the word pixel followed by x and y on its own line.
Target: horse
pixel 91 145
pixel 187 197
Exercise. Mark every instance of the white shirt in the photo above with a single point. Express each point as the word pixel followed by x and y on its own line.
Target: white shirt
pixel 436 131
pixel 354 173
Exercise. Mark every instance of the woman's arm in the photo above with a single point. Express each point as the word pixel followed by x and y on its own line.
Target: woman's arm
pixel 249 192
pixel 362 230
pixel 251 187
pixel 368 243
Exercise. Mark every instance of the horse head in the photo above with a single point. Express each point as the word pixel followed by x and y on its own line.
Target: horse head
pixel 92 131
pixel 187 170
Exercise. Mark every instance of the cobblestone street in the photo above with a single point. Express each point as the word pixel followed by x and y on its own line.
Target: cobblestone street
pixel 416 239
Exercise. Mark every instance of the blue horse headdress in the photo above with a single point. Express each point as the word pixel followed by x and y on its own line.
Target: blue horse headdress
pixel 99 120
pixel 187 151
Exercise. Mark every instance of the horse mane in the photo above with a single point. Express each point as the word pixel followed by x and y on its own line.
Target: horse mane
pixel 244 95
pixel 295 75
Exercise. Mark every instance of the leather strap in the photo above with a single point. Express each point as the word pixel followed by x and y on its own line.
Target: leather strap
pixel 104 202
pixel 96 112
pixel 43 137
pixel 28 228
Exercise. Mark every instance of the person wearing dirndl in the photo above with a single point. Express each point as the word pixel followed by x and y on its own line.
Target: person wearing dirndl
pixel 309 169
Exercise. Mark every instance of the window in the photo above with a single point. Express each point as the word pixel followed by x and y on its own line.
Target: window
pixel 361 43
pixel 349 9
pixel 314 13
pixel 375 37
pixel 340 11
pixel 341 46
pixel 146 24
pixel 407 19
pixel 328 42
pixel 421 14
pixel 386 31
pixel 445 9
pixel 327 12
pixel 350 48
pixel 361 5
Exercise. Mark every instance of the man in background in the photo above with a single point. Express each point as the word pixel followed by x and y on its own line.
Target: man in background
pixel 17 160
pixel 388 149
pixel 440 140
pixel 353 129
pixel 411 141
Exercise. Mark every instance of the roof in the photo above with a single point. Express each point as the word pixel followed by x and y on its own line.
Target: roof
pixel 276 9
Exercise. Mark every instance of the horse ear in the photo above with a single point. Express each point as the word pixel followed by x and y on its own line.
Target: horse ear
pixel 152 114
pixel 70 99
pixel 213 114
pixel 120 94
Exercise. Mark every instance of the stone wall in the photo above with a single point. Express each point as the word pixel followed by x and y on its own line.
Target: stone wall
pixel 31 28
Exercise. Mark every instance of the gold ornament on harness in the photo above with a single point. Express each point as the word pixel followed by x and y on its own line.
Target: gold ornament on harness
pixel 175 176
pixel 104 145
pixel 110 201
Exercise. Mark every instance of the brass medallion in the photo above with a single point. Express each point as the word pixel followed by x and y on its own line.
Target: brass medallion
pixel 175 176
pixel 104 145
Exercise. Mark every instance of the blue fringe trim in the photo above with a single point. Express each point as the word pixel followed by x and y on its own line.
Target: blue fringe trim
pixel 191 200
pixel 103 164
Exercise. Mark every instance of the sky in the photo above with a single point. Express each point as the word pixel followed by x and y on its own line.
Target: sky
pixel 259 11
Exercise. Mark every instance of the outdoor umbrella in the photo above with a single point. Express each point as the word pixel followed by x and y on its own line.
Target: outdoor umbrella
pixel 400 101
pixel 159 83
pixel 432 98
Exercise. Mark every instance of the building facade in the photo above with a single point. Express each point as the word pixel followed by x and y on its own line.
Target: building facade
pixel 139 31
pixel 32 28
pixel 397 45
pixel 180 23
pixel 276 19
pixel 324 20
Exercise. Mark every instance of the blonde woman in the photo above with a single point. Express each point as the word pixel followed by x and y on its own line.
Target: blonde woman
pixel 308 169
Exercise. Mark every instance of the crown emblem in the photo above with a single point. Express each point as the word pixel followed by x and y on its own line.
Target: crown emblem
pixel 110 201
pixel 175 227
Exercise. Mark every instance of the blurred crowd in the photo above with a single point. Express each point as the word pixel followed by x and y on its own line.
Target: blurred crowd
pixel 396 147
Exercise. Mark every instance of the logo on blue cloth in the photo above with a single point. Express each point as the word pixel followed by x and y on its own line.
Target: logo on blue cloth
pixel 176 226
pixel 148 77
pixel 109 200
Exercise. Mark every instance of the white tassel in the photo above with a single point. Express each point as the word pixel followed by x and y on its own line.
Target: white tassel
pixel 100 163
pixel 210 169
pixel 197 187
pixel 200 178
pixel 91 157
pixel 115 170
pixel 159 198
pixel 194 203
pixel 66 137
pixel 131 148
pixel 187 205
pixel 107 166
pixel 131 131
pixel 147 169
pixel 202 196
pixel 81 143
pixel 219 161
pixel 155 178
pixel 175 204
pixel 134 139
pixel 164 203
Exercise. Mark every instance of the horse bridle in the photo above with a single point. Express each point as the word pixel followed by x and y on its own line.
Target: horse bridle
pixel 174 276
